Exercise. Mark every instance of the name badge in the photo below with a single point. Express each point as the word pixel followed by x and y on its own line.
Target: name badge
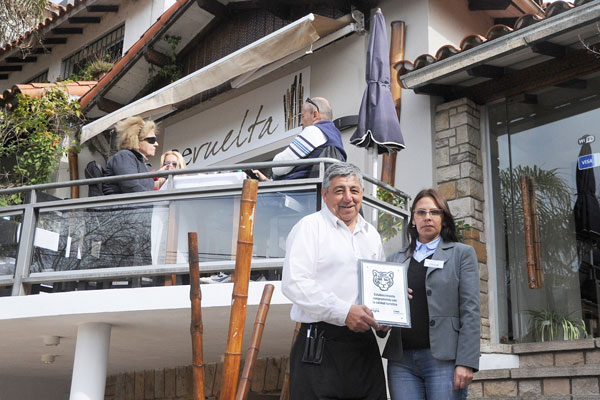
pixel 434 263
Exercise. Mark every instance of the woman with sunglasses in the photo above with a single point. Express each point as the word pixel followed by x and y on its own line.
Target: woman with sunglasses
pixel 169 160
pixel 137 142
pixel 436 357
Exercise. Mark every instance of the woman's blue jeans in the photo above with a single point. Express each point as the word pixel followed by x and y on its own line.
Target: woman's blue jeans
pixel 420 376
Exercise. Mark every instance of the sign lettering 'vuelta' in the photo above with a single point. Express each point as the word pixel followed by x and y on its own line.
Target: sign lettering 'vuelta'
pixel 248 122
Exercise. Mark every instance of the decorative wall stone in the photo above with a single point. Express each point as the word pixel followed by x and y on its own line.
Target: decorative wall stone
pixel 557 386
pixel 530 388
pixel 459 175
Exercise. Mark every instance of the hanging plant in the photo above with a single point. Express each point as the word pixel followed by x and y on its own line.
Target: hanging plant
pixel 33 139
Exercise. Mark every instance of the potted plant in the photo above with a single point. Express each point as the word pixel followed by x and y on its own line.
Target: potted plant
pixel 546 325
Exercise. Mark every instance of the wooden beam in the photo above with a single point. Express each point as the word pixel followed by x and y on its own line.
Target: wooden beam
pixel 213 6
pixel 524 98
pixel 67 31
pixel 102 8
pixel 578 84
pixel 42 50
pixel 54 40
pixel 486 71
pixel 108 105
pixel 3 77
pixel 549 49
pixel 17 60
pixel 548 73
pixel 84 20
pixel 156 58
pixel 477 5
pixel 9 68
pixel 436 89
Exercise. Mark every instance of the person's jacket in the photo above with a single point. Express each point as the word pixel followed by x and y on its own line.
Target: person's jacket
pixel 333 143
pixel 453 304
pixel 127 162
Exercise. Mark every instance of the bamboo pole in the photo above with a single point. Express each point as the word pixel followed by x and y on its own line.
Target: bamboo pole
pixel 73 171
pixel 252 355
pixel 196 327
pixel 398 38
pixel 237 319
pixel 285 389
pixel 527 230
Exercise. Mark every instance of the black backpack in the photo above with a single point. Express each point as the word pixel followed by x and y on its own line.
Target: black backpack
pixel 94 170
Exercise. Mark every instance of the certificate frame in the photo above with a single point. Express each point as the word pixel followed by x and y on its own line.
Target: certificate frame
pixel 384 289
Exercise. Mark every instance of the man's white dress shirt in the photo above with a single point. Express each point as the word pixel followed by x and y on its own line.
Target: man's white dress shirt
pixel 320 271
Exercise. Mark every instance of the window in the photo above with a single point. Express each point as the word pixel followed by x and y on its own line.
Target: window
pixel 548 267
pixel 110 45
pixel 40 78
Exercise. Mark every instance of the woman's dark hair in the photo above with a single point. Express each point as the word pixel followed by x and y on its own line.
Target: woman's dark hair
pixel 448 226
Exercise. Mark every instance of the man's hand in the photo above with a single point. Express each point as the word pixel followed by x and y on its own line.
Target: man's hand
pixel 261 177
pixel 360 319
pixel 463 376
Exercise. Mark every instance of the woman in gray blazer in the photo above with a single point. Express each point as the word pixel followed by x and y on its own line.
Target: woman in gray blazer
pixel 437 357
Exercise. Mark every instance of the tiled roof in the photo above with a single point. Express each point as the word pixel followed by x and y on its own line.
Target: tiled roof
pixel 73 89
pixel 52 17
pixel 135 51
pixel 493 33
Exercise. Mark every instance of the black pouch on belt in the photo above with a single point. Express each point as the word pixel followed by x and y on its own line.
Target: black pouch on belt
pixel 314 346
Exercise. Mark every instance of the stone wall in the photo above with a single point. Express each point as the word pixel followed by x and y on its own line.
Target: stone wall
pixel 549 370
pixel 459 172
pixel 176 383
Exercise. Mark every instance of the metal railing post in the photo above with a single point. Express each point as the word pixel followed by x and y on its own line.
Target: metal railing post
pixel 23 263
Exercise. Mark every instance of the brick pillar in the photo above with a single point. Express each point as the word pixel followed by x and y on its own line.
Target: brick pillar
pixel 460 180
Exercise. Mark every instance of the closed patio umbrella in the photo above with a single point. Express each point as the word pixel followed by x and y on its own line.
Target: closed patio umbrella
pixel 378 126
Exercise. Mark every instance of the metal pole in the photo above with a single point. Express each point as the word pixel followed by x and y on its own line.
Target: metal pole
pixel 25 246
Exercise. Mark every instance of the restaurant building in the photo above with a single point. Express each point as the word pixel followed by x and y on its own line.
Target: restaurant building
pixel 500 119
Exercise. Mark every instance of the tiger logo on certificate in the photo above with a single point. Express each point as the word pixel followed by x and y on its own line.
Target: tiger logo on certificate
pixel 384 289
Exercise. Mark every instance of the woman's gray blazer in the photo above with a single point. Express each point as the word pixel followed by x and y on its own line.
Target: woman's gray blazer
pixel 453 304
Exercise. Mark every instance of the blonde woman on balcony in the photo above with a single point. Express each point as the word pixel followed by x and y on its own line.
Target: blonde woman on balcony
pixel 137 142
pixel 169 160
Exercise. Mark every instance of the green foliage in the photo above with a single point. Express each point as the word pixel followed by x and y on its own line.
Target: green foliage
pixel 546 325
pixel 170 72
pixel 93 69
pixel 17 17
pixel 461 228
pixel 32 139
pixel 388 225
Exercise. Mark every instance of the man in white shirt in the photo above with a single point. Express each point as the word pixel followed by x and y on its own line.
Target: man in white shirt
pixel 319 132
pixel 336 354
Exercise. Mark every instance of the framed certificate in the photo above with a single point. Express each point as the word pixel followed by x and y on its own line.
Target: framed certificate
pixel 384 289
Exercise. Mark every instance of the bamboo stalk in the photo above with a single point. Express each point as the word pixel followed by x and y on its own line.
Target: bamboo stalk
pixel 252 355
pixel 398 38
pixel 285 389
pixel 537 242
pixel 527 229
pixel 196 327
pixel 74 171
pixel 237 319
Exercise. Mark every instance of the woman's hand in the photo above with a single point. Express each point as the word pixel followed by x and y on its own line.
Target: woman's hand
pixel 463 376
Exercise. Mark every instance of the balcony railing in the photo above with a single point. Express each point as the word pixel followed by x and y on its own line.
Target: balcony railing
pixel 140 239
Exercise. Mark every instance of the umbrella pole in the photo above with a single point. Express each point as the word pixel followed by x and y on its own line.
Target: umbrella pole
pixel 237 319
pixel 388 163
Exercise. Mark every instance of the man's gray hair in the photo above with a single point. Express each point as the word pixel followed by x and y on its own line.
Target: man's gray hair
pixel 341 169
